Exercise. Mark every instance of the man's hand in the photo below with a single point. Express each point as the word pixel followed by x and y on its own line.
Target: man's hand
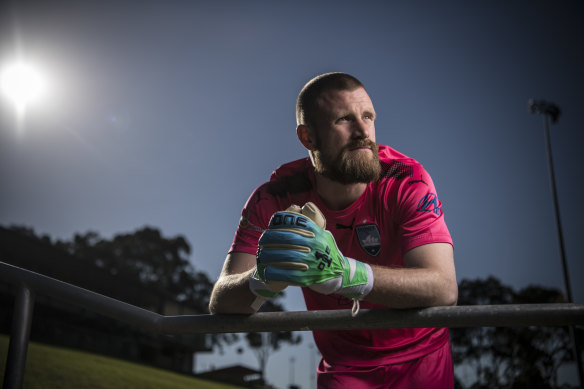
pixel 296 249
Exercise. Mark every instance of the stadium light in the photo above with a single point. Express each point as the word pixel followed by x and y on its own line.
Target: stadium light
pixel 553 112
pixel 22 84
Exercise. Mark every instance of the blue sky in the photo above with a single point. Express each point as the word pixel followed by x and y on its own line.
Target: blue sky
pixel 169 114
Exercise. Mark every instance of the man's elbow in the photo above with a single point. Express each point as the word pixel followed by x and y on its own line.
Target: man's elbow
pixel 213 306
pixel 216 301
pixel 449 295
pixel 221 304
pixel 213 309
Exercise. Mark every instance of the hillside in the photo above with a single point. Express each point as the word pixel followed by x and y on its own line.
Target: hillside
pixel 51 367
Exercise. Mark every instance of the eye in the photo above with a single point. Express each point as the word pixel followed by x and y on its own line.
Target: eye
pixel 345 118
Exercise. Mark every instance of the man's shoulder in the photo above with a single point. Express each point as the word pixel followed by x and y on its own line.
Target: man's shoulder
pixel 299 166
pixel 290 178
pixel 396 165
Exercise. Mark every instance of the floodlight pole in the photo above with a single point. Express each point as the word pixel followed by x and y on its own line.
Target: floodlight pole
pixel 550 110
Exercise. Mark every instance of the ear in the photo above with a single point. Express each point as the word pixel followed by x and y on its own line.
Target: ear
pixel 305 136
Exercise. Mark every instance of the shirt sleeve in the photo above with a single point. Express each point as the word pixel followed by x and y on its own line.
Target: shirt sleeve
pixel 255 217
pixel 420 216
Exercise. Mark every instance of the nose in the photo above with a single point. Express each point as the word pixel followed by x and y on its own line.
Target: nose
pixel 361 129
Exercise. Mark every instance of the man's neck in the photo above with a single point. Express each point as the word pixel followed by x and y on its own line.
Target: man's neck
pixel 335 195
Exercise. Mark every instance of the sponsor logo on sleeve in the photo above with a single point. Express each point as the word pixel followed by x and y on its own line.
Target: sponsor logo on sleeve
pixel 429 203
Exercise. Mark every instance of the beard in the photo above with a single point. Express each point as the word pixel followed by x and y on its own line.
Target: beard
pixel 348 167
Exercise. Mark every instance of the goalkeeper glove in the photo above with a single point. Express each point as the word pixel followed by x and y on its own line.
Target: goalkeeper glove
pixel 296 249
pixel 262 290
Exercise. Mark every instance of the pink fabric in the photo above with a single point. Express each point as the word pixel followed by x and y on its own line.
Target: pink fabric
pixel 404 210
pixel 433 371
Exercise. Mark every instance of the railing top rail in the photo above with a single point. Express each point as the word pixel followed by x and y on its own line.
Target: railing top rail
pixel 459 316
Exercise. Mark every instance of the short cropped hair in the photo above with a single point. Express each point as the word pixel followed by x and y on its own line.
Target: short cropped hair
pixel 306 104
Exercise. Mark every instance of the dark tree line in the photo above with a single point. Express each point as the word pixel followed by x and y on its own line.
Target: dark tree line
pixel 509 357
pixel 150 271
pixel 142 268
pixel 161 265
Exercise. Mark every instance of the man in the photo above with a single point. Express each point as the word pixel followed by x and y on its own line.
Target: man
pixel 392 247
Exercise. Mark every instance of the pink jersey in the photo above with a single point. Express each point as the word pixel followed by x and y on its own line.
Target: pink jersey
pixel 394 214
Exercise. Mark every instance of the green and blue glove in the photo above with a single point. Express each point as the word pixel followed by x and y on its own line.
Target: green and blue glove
pixel 297 250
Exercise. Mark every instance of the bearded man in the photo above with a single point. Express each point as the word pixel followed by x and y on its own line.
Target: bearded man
pixel 354 224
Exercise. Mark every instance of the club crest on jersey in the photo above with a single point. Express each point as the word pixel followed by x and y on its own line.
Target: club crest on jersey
pixel 369 238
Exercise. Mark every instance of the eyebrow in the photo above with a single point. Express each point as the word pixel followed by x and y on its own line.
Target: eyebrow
pixel 370 113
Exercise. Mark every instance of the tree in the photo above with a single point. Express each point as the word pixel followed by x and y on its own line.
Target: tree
pixel 146 257
pixel 510 357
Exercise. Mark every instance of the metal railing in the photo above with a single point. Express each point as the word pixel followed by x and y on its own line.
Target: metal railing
pixel 29 283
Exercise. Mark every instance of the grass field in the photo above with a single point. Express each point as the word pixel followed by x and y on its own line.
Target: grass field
pixel 51 367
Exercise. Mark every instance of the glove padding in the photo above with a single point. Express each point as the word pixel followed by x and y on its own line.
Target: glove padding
pixel 297 250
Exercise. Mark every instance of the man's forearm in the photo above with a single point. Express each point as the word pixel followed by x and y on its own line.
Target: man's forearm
pixel 231 294
pixel 412 288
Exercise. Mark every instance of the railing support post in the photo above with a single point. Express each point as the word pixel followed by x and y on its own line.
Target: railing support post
pixel 19 336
